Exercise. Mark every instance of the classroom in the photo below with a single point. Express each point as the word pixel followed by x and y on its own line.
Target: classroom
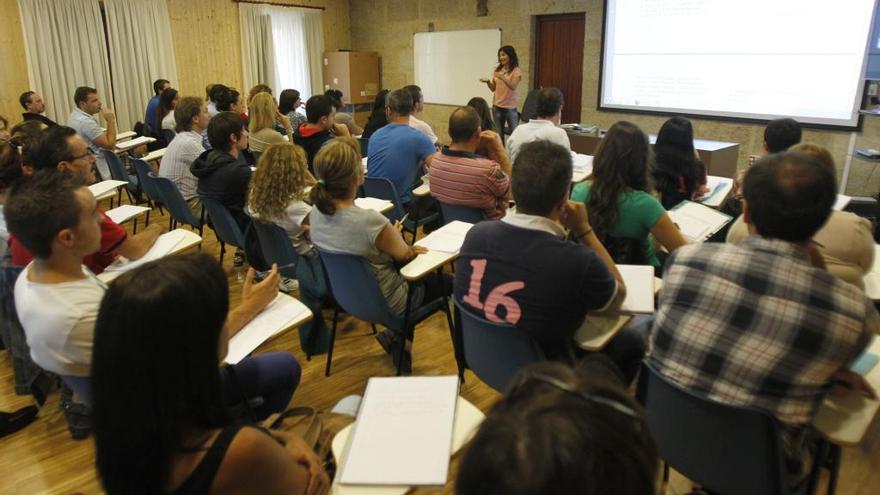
pixel 439 246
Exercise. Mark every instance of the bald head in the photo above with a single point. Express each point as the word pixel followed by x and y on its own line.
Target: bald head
pixel 464 124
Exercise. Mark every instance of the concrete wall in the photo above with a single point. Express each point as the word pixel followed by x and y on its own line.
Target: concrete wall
pixel 387 26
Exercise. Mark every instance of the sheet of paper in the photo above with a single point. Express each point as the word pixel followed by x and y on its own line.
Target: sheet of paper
pixel 597 330
pixel 639 280
pixel 106 186
pixel 719 187
pixel 447 239
pixel 403 433
pixel 125 212
pixel 582 163
pixel 841 202
pixel 165 243
pixel 372 204
pixel 134 143
pixel 697 222
pixel 872 278
pixel 277 316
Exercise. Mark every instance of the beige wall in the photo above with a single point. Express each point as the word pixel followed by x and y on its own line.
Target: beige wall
pixel 387 26
pixel 207 45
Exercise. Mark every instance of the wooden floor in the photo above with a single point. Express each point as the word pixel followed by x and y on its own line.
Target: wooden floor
pixel 42 458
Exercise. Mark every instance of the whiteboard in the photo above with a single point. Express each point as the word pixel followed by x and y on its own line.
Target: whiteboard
pixel 449 64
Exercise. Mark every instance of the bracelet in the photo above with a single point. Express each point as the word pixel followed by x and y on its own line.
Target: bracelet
pixel 581 236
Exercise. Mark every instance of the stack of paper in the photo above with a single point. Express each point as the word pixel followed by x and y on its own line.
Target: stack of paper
pixel 719 188
pixel 134 143
pixel 446 239
pixel 164 245
pixel 403 433
pixel 697 222
pixel 278 316
pixel 106 186
pixel 377 204
pixel 125 213
pixel 639 281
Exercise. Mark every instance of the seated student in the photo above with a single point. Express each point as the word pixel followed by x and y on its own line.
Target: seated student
pixel 229 100
pixel 561 431
pixel 159 85
pixel 617 197
pixel 257 89
pixel 340 117
pixel 678 172
pixel 339 226
pixel 82 118
pixel 417 106
pixel 34 108
pixel 277 195
pixel 165 116
pixel 320 127
pixel 485 113
pixel 544 126
pixel 398 152
pixel 220 173
pixel 191 118
pixel 524 263
pixel 261 123
pixel 845 241
pixel 288 103
pixel 10 171
pixel 214 92
pixel 761 323
pixel 60 148
pixel 461 177
pixel 161 424
pixel 377 118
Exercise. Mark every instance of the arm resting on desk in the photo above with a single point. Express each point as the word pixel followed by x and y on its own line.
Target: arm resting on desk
pixel 135 246
pixel 254 298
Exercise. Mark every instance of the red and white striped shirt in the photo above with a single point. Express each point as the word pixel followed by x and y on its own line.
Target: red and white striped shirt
pixel 468 179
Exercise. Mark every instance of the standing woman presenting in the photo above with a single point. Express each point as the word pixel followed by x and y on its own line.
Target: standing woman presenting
pixel 503 84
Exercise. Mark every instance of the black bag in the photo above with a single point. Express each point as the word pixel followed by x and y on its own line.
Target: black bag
pixel 253 252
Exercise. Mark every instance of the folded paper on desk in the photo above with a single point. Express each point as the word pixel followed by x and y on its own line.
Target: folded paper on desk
pixel 403 433
pixel 639 280
pixel 125 212
pixel 106 186
pixel 372 203
pixel 134 143
pixel 277 316
pixel 697 222
pixel 165 243
pixel 446 239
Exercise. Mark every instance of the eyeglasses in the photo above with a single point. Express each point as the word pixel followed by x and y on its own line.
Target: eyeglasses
pixel 570 389
pixel 83 156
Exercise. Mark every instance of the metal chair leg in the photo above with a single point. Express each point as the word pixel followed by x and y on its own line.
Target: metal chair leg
pixel 332 342
pixel 406 329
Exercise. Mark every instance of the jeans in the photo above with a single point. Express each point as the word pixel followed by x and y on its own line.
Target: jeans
pixel 265 383
pixel 506 119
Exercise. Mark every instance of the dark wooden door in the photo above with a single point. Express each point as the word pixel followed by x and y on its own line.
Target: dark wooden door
pixel 559 59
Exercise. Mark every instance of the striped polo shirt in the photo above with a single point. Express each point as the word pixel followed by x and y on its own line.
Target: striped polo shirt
pixel 468 179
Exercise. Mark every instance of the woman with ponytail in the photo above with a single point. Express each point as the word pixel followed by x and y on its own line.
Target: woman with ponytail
pixel 340 226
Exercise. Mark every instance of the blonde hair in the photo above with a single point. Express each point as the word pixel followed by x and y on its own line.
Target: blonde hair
pixel 817 151
pixel 337 166
pixel 263 110
pixel 280 178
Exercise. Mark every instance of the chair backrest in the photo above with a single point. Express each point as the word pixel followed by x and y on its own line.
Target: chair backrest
pixel 365 145
pixel 530 106
pixel 626 251
pixel 467 214
pixel 495 351
pixel 117 169
pixel 276 247
pixel 224 223
pixel 355 287
pixel 726 449
pixel 143 170
pixel 170 196
pixel 382 188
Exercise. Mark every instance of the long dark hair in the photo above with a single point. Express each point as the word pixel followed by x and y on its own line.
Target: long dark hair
pixel 485 113
pixel 675 163
pixel 511 52
pixel 166 102
pixel 154 368
pixel 377 119
pixel 286 100
pixel 620 165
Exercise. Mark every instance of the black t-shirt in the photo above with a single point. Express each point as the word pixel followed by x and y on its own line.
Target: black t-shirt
pixel 532 279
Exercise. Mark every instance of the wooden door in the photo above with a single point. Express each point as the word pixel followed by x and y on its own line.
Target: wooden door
pixel 559 59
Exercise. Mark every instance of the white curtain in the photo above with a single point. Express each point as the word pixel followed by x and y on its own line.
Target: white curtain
pixel 65 48
pixel 141 52
pixel 257 45
pixel 282 47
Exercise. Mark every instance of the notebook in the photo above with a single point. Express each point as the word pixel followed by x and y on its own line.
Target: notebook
pixel 639 280
pixel 106 186
pixel 279 315
pixel 719 188
pixel 446 239
pixel 125 212
pixel 697 222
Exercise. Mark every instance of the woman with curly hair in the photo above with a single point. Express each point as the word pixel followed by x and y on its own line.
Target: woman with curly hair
pixel 277 195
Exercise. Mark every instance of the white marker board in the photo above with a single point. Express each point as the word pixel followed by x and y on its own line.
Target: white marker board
pixel 449 64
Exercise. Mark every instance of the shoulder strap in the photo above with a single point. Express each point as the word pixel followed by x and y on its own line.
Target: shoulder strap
pixel 203 475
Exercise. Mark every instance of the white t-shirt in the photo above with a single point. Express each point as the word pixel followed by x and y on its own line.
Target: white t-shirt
pixel 423 126
pixel 297 211
pixel 59 321
pixel 534 130
pixel 168 122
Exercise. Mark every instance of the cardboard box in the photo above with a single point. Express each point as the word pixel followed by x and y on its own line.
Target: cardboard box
pixel 356 74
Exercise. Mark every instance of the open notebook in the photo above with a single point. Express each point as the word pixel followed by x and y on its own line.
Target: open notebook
pixel 106 186
pixel 719 188
pixel 446 239
pixel 165 244
pixel 697 222
pixel 279 315
pixel 403 433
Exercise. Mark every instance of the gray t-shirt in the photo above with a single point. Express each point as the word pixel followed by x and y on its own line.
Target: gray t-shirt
pixel 354 231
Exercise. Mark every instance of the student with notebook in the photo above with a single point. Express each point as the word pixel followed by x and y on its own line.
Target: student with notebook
pixel 522 270
pixel 165 428
pixel 62 150
pixel 340 226
pixel 559 431
pixel 622 210
pixel 761 323
pixel 56 217
pixel 191 118
pixel 845 241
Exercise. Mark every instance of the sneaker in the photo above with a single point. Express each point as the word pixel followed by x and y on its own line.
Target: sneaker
pixel 238 258
pixel 288 285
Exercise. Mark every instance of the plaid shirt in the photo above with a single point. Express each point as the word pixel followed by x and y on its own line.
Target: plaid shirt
pixel 754 324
